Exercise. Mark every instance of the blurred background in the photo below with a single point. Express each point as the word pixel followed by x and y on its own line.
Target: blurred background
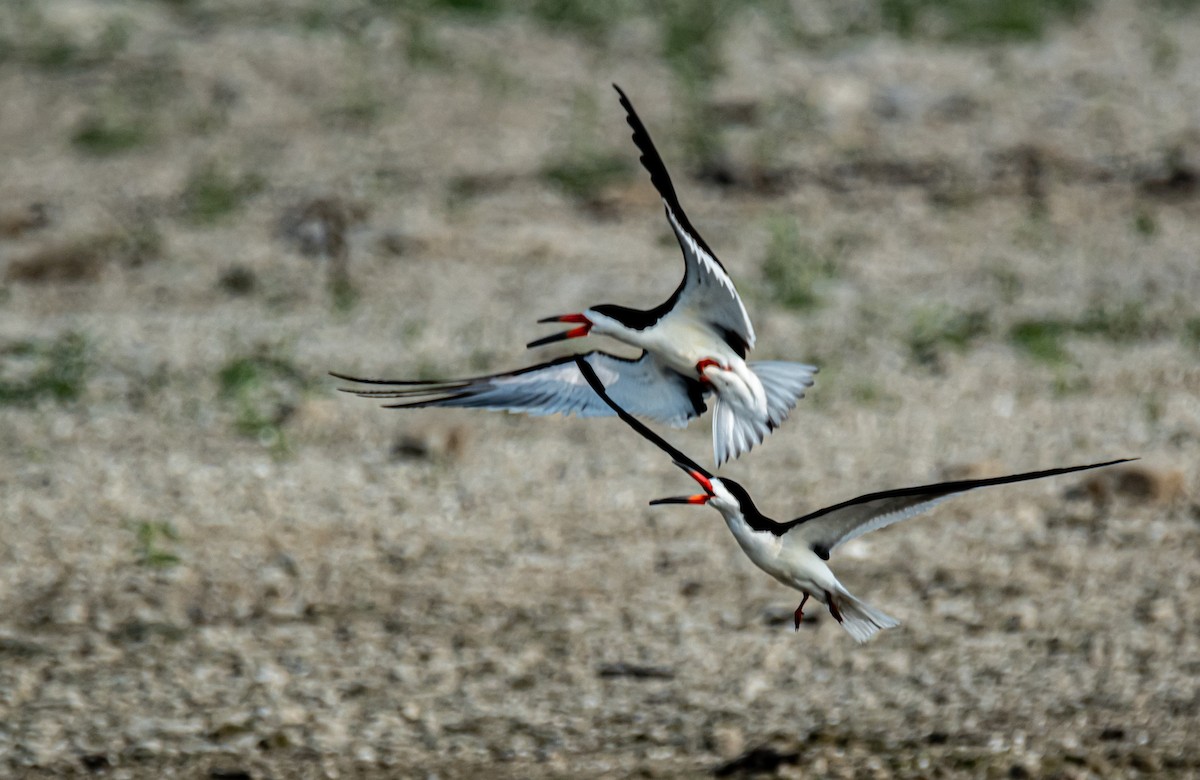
pixel 980 219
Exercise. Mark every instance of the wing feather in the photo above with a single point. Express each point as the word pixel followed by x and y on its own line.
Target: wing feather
pixel 644 386
pixel 826 528
pixel 707 291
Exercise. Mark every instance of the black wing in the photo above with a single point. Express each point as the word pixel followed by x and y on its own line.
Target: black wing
pixel 826 528
pixel 706 290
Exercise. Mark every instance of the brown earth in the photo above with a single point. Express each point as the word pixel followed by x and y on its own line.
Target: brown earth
pixel 215 565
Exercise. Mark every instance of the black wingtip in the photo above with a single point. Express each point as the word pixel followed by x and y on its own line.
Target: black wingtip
pixel 365 381
pixel 955 487
pixel 652 161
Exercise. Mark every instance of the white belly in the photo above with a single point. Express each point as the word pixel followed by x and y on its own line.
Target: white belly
pixel 792 563
pixel 682 342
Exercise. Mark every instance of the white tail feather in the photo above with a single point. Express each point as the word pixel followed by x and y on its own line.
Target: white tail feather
pixel 736 430
pixel 784 384
pixel 861 621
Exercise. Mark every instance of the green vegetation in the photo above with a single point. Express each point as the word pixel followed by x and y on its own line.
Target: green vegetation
pixel 152 542
pixel 465 7
pixel 869 393
pixel 212 193
pixel 1127 322
pixel 103 136
pixel 583 169
pixel 30 370
pixel 976 20
pixel 359 110
pixel 584 176
pixel 52 52
pixel 342 292
pixel 1042 339
pixel 935 329
pixel 27 36
pixel 591 21
pixel 423 49
pixel 689 33
pixel 1191 332
pixel 1145 224
pixel 262 391
pixel 794 269
pixel 689 36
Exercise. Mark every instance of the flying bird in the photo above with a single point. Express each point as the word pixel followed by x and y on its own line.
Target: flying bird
pixel 693 346
pixel 702 332
pixel 795 552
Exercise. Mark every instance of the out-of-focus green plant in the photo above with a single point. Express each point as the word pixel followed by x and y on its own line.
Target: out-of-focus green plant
pixel 263 391
pixel 152 539
pixel 937 328
pixel 55 369
pixel 793 268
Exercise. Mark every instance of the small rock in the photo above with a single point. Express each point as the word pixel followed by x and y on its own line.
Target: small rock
pixel 759 761
pixel 983 469
pixel 636 671
pixel 1145 761
pixel 315 419
pixel 238 280
pixel 229 774
pixel 15 221
pixel 727 741
pixel 429 444
pixel 95 762
pixel 317 228
pixel 1023 618
pixel 1133 483
pixel 57 263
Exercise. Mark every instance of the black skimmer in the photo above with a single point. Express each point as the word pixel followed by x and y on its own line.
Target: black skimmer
pixel 702 332
pixel 795 552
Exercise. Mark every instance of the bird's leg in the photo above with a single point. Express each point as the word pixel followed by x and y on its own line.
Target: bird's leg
pixel 833 607
pixel 800 611
pixel 703 364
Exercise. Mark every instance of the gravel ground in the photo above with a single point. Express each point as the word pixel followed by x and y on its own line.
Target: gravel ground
pixel 214 565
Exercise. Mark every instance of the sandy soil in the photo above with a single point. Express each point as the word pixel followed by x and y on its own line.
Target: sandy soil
pixel 215 565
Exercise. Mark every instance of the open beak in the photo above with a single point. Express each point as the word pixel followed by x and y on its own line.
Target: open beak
pixel 701 498
pixel 585 325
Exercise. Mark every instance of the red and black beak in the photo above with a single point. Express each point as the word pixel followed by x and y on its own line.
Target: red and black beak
pixel 700 498
pixel 585 326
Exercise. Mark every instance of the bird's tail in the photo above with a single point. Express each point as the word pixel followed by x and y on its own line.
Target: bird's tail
pixel 860 621
pixel 784 383
pixel 736 429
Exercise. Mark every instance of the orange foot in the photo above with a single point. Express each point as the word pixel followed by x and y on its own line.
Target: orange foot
pixel 703 364
pixel 833 607
pixel 800 611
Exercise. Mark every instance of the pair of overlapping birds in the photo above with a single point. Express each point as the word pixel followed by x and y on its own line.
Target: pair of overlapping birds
pixel 694 348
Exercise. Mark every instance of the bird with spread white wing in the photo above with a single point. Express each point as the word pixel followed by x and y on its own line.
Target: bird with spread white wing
pixel 694 345
pixel 702 331
pixel 795 552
